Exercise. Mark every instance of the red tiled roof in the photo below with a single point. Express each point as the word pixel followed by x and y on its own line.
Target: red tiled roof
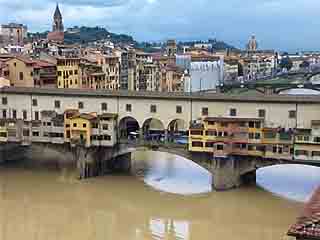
pixel 42 64
pixel 308 224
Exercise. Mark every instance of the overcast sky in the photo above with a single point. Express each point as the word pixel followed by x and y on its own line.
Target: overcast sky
pixel 281 24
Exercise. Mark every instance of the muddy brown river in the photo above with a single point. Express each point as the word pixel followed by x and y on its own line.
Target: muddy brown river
pixel 171 198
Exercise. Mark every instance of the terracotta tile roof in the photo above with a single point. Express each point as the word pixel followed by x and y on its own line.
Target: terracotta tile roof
pixel 308 224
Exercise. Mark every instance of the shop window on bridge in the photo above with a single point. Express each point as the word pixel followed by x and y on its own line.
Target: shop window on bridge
pixel 211 133
pixel 316 154
pixel 196 132
pixel 285 136
pixel 24 114
pixel 14 114
pixel 4 113
pixel 3 134
pixel 316 139
pixel 220 147
pixel 251 148
pixel 209 144
pixel 35 134
pixel 301 153
pixel 197 144
pixel 107 138
pixel 270 135
pixel 26 132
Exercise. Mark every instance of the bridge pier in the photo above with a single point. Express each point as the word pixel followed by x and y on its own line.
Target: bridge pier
pixel 226 174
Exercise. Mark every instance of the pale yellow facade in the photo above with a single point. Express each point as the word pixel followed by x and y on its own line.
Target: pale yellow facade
pixel 68 70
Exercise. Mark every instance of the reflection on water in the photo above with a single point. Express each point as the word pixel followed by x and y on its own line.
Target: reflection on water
pixel 296 182
pixel 41 204
pixel 171 173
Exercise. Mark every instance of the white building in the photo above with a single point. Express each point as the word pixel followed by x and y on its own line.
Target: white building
pixel 205 75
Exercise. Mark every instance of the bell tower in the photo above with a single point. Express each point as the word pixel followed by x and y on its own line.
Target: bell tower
pixel 57 21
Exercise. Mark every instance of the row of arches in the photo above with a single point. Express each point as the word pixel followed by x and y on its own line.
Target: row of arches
pixel 152 128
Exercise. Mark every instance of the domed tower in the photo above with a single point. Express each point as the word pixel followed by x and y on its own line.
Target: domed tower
pixel 57 21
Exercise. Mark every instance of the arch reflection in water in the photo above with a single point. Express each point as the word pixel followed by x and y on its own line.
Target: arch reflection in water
pixel 171 173
pixel 296 182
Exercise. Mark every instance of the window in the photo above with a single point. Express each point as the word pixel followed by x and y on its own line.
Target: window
pixel 75 72
pixel 257 136
pixel 270 135
pixel 316 139
pixel 258 125
pixel 209 144
pixel 15 64
pixel 36 115
pixel 153 109
pixel 292 114
pixel 196 132
pixel 104 106
pixel 26 132
pixel 4 101
pixel 220 147
pixel 306 138
pixel 95 125
pixel 80 105
pixel 315 154
pixel 251 135
pixel 233 112
pixel 14 114
pixel 301 153
pixel 84 125
pixel 197 144
pixel 4 113
pixel 251 124
pixel 106 137
pixel 224 124
pixel 67 125
pixel 59 73
pixel 21 76
pixel 205 111
pixel 211 133
pixel 105 126
pixel 68 134
pixel 74 125
pixel 262 113
pixel 34 102
pixel 178 109
pixel 25 115
pixel 35 134
pixel 57 104
pixel 128 107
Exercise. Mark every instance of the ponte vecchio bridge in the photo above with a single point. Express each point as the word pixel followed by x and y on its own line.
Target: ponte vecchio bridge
pixel 100 120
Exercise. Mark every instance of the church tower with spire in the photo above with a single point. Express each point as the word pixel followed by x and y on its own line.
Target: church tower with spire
pixel 57 20
pixel 57 34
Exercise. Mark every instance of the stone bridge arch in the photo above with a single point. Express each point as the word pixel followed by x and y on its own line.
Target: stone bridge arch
pixel 153 129
pixel 127 125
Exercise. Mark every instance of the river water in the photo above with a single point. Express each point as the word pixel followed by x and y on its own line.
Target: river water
pixel 170 198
